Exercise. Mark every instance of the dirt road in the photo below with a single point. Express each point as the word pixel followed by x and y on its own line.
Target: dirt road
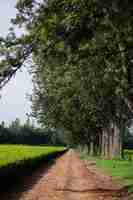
pixel 68 179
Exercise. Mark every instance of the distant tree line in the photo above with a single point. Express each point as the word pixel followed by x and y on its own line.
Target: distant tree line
pixel 17 133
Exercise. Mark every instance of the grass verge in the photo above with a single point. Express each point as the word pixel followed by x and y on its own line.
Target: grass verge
pixel 121 169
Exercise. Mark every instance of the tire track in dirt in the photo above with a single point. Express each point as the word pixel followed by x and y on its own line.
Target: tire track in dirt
pixel 68 179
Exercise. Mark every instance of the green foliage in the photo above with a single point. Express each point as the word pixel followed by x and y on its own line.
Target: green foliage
pixel 120 169
pixel 82 77
pixel 82 62
pixel 129 155
pixel 14 154
pixel 18 133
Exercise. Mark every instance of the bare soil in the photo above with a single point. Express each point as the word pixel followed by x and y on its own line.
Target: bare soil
pixel 68 179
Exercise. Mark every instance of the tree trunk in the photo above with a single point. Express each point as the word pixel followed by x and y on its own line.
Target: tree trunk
pixel 92 147
pixel 122 132
pixel 111 142
pixel 88 147
pixel 98 144
pixel 111 137
pixel 106 143
pixel 103 145
pixel 116 143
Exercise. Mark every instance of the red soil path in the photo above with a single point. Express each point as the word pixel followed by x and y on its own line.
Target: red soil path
pixel 68 179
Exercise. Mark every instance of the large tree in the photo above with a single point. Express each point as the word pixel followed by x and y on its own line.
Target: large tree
pixel 82 56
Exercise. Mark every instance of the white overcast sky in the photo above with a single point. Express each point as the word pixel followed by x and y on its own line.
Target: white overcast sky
pixel 13 103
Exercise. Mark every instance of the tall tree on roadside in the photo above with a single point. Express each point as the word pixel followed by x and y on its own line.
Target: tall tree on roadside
pixel 82 54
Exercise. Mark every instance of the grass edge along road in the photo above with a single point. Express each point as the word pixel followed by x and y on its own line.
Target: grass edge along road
pixel 120 169
pixel 15 154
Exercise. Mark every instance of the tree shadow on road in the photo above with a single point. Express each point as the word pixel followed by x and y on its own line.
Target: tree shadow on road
pixel 25 181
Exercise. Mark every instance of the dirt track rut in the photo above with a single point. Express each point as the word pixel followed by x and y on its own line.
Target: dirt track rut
pixel 68 179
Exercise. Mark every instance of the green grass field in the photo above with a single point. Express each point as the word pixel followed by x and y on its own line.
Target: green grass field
pixel 14 154
pixel 121 169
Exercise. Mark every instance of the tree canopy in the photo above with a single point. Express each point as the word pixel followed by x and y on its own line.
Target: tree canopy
pixel 82 56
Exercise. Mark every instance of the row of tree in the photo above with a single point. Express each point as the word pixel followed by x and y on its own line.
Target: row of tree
pixel 17 133
pixel 82 65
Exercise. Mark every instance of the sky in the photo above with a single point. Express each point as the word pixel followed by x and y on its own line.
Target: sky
pixel 13 103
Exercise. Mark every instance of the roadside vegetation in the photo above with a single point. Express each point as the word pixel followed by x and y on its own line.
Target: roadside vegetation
pixel 17 161
pixel 27 133
pixel 81 55
pixel 122 169
pixel 14 154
